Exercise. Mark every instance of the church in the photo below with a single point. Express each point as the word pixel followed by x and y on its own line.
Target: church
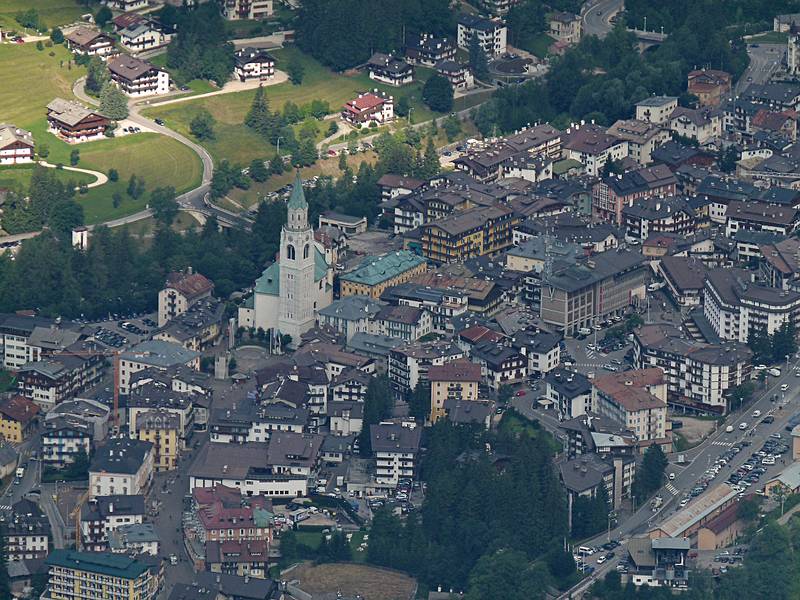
pixel 291 290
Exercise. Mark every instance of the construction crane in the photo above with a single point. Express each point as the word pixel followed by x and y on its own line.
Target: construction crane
pixel 76 514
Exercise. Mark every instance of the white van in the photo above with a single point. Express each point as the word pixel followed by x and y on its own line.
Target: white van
pixel 729 429
pixel 585 551
pixel 774 372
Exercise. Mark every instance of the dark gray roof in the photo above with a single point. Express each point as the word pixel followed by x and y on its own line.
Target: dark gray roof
pixel 352 308
pixel 601 266
pixel 120 455
pixel 240 588
pixel 394 438
pixel 104 506
pixel 584 473
pixel 569 384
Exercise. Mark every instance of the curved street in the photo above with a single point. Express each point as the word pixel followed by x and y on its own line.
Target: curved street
pixel 597 16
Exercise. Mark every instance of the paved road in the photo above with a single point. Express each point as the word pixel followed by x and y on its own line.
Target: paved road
pixel 764 61
pixel 597 15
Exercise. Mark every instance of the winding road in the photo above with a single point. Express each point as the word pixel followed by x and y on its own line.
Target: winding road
pixel 596 16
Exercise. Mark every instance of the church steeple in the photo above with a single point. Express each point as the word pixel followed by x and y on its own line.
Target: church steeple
pixel 297 218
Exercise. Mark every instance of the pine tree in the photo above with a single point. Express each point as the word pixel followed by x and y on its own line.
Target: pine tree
pixel 113 103
pixel 430 161
pixel 477 58
pixel 259 118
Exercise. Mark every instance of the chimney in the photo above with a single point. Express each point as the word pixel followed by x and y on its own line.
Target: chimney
pixel 110 507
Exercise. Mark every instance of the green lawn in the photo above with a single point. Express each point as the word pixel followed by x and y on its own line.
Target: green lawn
pixel 769 37
pixel 235 142
pixel 19 177
pixel 313 539
pixel 51 12
pixel 539 45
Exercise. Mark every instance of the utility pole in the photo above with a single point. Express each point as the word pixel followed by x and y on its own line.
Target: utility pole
pixel 278 151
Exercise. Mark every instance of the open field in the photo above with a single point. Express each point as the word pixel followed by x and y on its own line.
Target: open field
pixel 237 143
pixel 769 37
pixel 51 12
pixel 351 579
pixel 18 177
pixel 145 228
pixel 31 79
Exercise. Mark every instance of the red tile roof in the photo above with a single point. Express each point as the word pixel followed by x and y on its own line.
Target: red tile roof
pixel 191 286
pixel 366 102
pixel 458 370
pixel 20 409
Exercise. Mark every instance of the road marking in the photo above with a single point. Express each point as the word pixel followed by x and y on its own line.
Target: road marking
pixel 672 489
pixel 721 443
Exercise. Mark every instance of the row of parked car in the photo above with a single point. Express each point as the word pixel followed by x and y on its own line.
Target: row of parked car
pixel 756 466
pixel 110 338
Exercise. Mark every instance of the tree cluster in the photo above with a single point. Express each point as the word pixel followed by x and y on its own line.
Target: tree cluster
pixel 437 93
pixel 113 102
pixel 377 407
pixel 478 518
pixel 201 50
pixel 344 33
pixel 650 474
pixel 48 202
pixel 775 347
pixel 603 79
pixel 590 515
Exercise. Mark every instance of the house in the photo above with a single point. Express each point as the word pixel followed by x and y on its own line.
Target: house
pixel 565 27
pixel 245 558
pixel 491 34
pixel 234 10
pixel 74 123
pixel 541 348
pixel 443 303
pixel 569 391
pixel 155 399
pixel 181 291
pixel 775 95
pixel 736 308
pixel 409 364
pixel 458 74
pixel 774 122
pixel 101 516
pixel 18 417
pixel 91 413
pixel 500 365
pixel 393 186
pixel 612 193
pixel 637 400
pixel 198 328
pixel 122 466
pixel 16 145
pixel 350 315
pixel 143 35
pixel 700 376
pixel 222 586
pixel 153 354
pixel 427 50
pixel 95 573
pixel 780 265
pixel 253 63
pixel 137 77
pixel 760 216
pixel 684 278
pixel 585 476
pixel 345 418
pixel 136 539
pixel 703 124
pixel 656 109
pixel 407 323
pixel 162 429
pixel 675 155
pixel 388 69
pixel 659 562
pixel 643 138
pixel 469 233
pixel 375 274
pixel 347 224
pixel 126 5
pixel 89 42
pixel 62 376
pixel 64 440
pixel 395 448
pixel 456 380
pixel 593 147
pixel 708 85
pixel 369 108
pixel 26 532
pixel 469 412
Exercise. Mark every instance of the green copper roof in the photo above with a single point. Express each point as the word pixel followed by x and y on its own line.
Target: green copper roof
pixel 105 563
pixel 374 270
pixel 269 282
pixel 298 197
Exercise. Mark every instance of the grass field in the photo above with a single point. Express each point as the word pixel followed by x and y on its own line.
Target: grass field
pixel 237 143
pixel 51 12
pixel 769 37
pixel 19 177
pixel 144 228
pixel 30 79
pixel 539 45
pixel 350 579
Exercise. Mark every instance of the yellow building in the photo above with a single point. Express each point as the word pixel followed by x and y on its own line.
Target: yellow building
pixel 457 380
pixel 375 274
pixel 17 418
pixel 162 429
pixel 470 233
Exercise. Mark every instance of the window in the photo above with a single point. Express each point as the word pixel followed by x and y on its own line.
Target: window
pixel 306 251
pixel 290 254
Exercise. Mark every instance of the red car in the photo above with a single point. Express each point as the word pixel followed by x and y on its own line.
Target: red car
pixel 520 393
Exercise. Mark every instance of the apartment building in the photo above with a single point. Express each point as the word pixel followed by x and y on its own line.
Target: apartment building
pixel 366 109
pixel 709 85
pixel 674 214
pixel 26 532
pixel 89 42
pixel 656 109
pixel 612 193
pixel 62 376
pixel 409 364
pixel 162 429
pixel 389 69
pixel 593 147
pixel 395 447
pixel 491 34
pixel 500 365
pixel 64 439
pixel 100 576
pixel 143 35
pixel 735 307
pixel 569 391
pixel 701 125
pixel 427 49
pixel 122 466
pixel 407 323
pixel 153 354
pixel 74 123
pixel 234 10
pixel 137 77
pixel 469 233
pixel 443 303
pixel 18 417
pixel 699 376
pixel 457 380
pixel 643 138
pixel 350 315
pixel 181 291
pixel 565 27
pixel 253 64
pixel 760 216
pixel 16 145
pixel 637 400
